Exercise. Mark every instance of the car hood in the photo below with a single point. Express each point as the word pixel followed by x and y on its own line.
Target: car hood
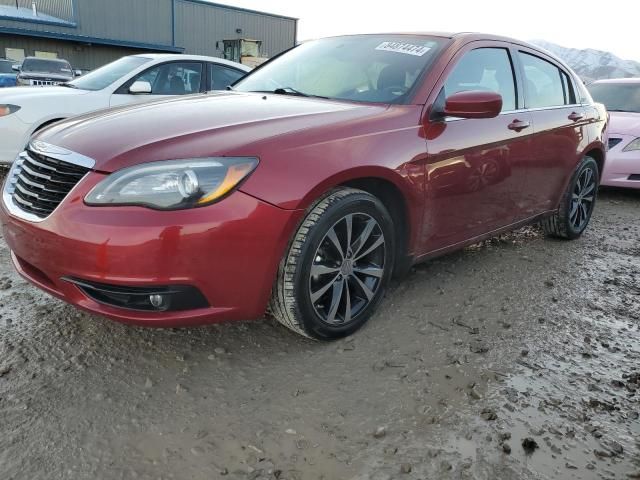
pixel 217 124
pixel 19 95
pixel 625 123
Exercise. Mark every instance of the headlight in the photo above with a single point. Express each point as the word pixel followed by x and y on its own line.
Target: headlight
pixel 8 110
pixel 635 145
pixel 173 184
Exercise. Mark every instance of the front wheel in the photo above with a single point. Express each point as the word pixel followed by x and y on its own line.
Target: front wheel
pixel 577 204
pixel 337 267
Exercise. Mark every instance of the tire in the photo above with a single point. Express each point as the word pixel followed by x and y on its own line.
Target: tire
pixel 357 276
pixel 567 223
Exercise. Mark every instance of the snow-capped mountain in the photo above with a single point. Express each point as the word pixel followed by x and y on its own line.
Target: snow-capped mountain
pixel 593 64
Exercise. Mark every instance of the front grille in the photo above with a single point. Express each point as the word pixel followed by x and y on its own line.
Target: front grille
pixel 39 183
pixel 613 141
pixel 42 83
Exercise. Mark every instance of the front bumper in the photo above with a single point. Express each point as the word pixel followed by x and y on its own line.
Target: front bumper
pixel 622 169
pixel 14 135
pixel 229 251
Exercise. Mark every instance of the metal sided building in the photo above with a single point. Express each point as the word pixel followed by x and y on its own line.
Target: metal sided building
pixel 91 33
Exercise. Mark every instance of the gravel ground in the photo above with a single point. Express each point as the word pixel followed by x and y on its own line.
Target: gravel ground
pixel 515 359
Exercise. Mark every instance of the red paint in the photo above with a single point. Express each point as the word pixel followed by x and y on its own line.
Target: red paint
pixel 474 104
pixel 208 247
pixel 460 180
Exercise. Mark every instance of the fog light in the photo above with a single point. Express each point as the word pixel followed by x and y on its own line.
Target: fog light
pixel 156 300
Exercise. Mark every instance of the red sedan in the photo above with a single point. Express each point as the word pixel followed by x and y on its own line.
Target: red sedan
pixel 308 185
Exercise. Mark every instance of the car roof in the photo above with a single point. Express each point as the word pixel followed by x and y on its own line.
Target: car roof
pixel 619 80
pixel 463 37
pixel 201 58
pixel 468 36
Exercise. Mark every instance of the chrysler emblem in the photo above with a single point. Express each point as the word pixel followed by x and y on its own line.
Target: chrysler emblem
pixel 47 148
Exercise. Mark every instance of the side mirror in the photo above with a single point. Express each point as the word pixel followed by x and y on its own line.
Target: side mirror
pixel 140 88
pixel 16 68
pixel 77 73
pixel 473 104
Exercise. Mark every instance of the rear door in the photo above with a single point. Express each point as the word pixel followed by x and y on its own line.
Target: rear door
pixel 560 135
pixel 166 79
pixel 475 167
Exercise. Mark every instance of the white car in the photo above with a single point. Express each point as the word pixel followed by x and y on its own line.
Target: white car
pixel 137 78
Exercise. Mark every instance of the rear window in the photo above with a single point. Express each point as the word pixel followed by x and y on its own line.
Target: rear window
pixel 38 65
pixel 5 67
pixel 617 97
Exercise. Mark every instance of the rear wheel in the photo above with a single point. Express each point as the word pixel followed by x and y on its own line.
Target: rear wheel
pixel 577 204
pixel 337 267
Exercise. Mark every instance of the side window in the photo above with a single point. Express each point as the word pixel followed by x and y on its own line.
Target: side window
pixel 173 78
pixel 221 77
pixel 488 69
pixel 545 84
pixel 148 76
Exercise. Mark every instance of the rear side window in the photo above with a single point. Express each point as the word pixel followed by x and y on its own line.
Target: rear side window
pixel 545 84
pixel 487 69
pixel 221 77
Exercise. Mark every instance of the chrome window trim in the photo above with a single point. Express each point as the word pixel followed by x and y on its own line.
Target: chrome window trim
pixel 521 110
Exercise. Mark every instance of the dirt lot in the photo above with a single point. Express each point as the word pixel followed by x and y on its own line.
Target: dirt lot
pixel 517 358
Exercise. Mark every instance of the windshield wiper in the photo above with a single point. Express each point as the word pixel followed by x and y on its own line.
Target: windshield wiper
pixel 293 91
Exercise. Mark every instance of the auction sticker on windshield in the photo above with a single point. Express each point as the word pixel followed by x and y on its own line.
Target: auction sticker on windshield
pixel 407 48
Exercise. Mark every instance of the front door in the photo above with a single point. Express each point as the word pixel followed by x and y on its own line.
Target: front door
pixel 475 167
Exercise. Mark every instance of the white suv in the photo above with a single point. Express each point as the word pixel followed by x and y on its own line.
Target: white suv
pixel 133 79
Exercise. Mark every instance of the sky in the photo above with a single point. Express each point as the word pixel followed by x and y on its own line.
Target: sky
pixel 575 24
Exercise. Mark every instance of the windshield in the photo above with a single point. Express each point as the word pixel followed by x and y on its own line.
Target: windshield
pixel 40 65
pixel 5 67
pixel 105 76
pixel 621 97
pixel 366 68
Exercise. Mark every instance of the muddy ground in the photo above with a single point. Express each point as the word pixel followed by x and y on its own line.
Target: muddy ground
pixel 515 359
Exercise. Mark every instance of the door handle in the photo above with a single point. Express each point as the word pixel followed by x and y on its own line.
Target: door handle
pixel 518 125
pixel 575 116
